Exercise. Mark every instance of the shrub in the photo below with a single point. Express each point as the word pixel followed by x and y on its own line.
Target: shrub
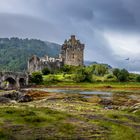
pixel 116 72
pixel 46 71
pixel 109 76
pixel 121 75
pixel 83 75
pixel 88 75
pixel 133 77
pixel 51 79
pixel 66 69
pixel 121 78
pixel 138 78
pixel 100 69
pixel 79 78
pixel 36 78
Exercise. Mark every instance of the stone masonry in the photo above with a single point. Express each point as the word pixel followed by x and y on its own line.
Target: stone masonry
pixel 72 53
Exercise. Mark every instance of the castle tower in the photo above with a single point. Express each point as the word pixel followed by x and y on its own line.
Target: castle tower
pixel 72 52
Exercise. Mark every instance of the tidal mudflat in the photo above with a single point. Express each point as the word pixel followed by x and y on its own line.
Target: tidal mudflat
pixel 74 114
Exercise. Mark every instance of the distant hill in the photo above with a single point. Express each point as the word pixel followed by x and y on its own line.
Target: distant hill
pixel 87 63
pixel 15 52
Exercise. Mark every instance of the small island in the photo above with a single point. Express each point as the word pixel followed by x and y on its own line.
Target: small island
pixel 62 98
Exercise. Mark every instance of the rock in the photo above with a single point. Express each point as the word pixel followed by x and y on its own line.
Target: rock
pixel 13 102
pixel 108 86
pixel 109 107
pixel 106 102
pixel 135 107
pixel 4 100
pixel 15 95
pixel 25 98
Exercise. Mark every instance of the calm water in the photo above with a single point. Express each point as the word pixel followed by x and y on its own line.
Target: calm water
pixel 70 91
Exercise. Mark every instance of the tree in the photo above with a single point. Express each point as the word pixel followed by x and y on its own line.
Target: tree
pixel 83 75
pixel 101 69
pixel 66 68
pixel 116 72
pixel 46 71
pixel 69 69
pixel 138 78
pixel 36 77
pixel 88 74
pixel 121 75
pixel 14 52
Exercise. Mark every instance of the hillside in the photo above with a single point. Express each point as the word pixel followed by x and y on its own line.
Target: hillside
pixel 15 52
pixel 87 63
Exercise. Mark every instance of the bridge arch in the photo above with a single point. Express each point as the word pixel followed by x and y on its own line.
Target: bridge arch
pixel 10 83
pixel 22 82
pixel 13 80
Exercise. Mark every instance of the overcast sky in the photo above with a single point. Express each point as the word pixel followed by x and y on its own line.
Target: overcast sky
pixel 110 29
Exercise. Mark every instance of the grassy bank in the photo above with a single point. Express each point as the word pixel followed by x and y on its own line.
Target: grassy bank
pixel 101 86
pixel 98 84
pixel 98 81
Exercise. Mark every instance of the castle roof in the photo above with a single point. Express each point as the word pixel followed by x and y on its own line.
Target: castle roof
pixel 72 42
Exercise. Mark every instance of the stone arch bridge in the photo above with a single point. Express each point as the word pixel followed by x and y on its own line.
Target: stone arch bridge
pixel 13 80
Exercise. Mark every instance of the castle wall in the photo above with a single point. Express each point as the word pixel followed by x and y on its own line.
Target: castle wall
pixel 34 64
pixel 73 52
pixel 38 64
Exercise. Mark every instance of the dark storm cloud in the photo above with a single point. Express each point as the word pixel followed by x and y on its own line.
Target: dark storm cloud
pixel 90 20
pixel 114 15
pixel 25 26
pixel 102 14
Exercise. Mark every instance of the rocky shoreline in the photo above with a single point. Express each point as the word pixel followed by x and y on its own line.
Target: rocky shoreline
pixel 14 97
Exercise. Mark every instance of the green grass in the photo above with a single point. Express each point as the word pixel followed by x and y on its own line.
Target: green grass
pixel 31 116
pixel 69 78
pixel 99 84
pixel 119 131
pixel 51 124
pixel 66 79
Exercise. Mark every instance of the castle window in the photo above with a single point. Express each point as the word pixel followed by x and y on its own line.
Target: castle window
pixel 73 56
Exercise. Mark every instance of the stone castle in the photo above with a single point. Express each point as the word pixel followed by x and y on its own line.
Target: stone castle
pixel 72 53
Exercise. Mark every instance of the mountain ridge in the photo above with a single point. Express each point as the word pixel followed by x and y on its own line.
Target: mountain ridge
pixel 15 52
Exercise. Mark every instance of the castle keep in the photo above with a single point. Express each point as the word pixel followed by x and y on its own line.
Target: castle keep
pixel 72 53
